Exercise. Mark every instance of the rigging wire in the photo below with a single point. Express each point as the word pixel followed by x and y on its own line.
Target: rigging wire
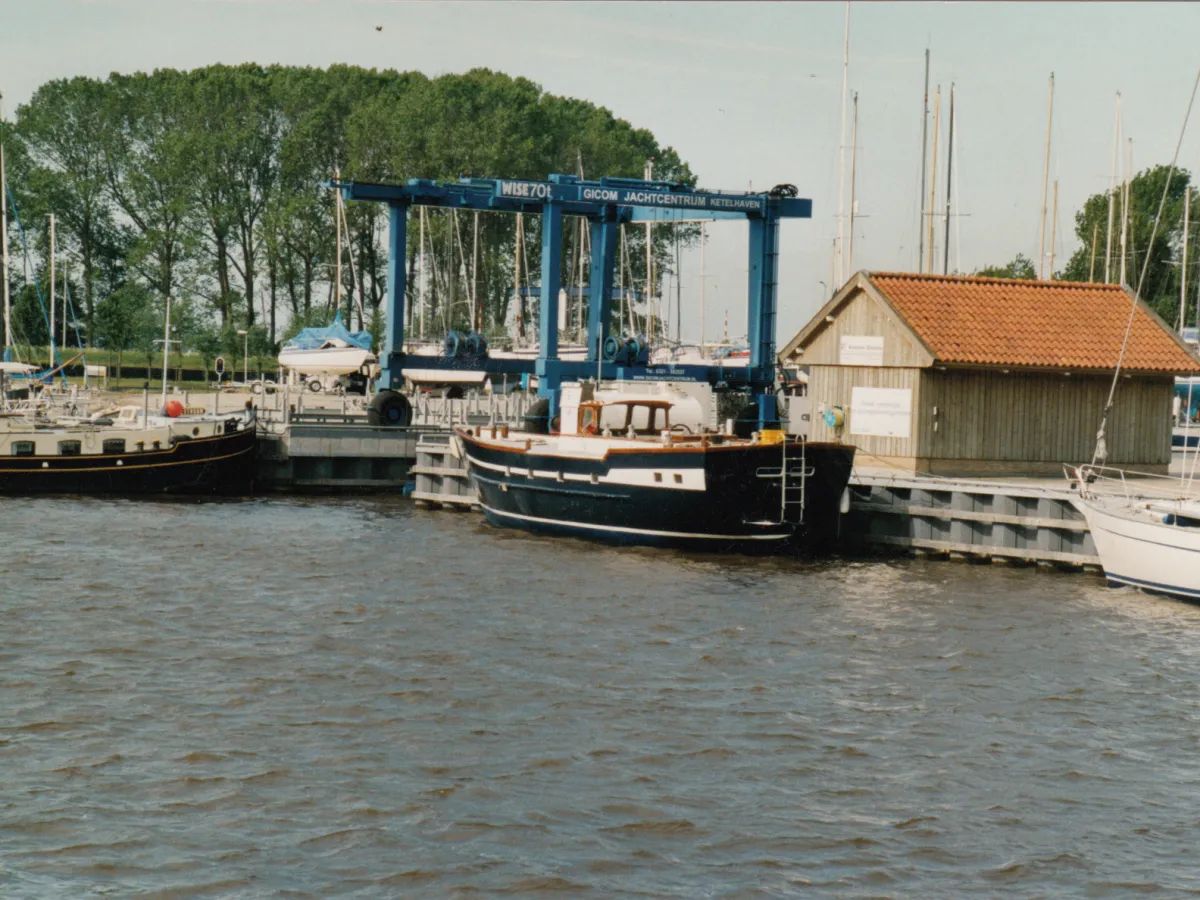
pixel 25 250
pixel 1101 452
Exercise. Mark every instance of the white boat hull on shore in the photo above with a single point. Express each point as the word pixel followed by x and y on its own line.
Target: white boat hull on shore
pixel 326 360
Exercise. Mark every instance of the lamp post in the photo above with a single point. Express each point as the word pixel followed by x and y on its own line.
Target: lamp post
pixel 245 355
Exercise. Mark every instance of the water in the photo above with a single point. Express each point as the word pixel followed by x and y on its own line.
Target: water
pixel 325 698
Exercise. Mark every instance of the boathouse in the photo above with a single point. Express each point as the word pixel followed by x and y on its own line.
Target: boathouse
pixel 985 376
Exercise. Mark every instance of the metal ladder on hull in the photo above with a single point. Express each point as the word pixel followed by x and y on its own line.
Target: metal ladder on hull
pixel 793 474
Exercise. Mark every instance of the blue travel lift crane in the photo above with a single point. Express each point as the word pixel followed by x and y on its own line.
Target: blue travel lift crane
pixel 606 204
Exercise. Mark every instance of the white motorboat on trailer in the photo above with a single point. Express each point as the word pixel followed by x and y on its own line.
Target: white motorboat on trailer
pixel 332 350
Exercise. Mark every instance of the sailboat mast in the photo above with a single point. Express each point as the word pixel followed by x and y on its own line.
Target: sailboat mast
pixel 424 273
pixel 1187 202
pixel 924 146
pixel 1053 228
pixel 949 183
pixel 842 148
pixel 53 303
pixel 937 113
pixel 1045 184
pixel 649 175
pixel 517 300
pixel 703 236
pixel 853 200
pixel 166 352
pixel 4 258
pixel 1112 193
pixel 833 285
pixel 476 310
pixel 66 297
pixel 1125 207
pixel 1092 267
pixel 337 227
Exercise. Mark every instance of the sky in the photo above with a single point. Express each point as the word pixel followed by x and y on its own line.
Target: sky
pixel 749 94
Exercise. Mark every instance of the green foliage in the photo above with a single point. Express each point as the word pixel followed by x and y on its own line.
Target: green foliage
pixel 126 321
pixel 207 344
pixel 1161 286
pixel 1020 266
pixel 207 185
pixel 30 325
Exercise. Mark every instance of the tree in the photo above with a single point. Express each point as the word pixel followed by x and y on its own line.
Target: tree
pixel 30 324
pixel 150 174
pixel 1161 286
pixel 212 184
pixel 62 128
pixel 126 321
pixel 1020 266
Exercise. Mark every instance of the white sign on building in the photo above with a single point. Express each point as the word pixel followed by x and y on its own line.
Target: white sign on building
pixel 884 412
pixel 861 350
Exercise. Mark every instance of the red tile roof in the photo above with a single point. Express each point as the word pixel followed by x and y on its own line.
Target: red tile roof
pixel 1059 324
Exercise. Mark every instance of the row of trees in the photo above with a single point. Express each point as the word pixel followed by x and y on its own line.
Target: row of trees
pixel 207 186
pixel 1164 270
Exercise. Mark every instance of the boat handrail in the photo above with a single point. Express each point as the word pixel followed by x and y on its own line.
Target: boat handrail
pixel 1089 476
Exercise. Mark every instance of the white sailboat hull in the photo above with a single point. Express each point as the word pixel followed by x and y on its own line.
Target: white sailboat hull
pixel 326 360
pixel 1138 548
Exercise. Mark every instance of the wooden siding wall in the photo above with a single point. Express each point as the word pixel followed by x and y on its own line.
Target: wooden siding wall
pixel 988 415
pixel 862 315
pixel 833 386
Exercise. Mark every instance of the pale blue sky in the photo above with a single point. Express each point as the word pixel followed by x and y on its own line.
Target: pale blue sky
pixel 748 93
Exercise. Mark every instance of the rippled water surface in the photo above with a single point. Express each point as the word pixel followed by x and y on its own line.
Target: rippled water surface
pixel 352 697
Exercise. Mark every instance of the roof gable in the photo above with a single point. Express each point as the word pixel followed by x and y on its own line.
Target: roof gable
pixel 858 288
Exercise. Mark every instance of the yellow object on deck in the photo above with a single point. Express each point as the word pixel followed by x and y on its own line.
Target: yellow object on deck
pixel 772 436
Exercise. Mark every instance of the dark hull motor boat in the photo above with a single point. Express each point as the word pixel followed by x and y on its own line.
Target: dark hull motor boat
pixel 125 452
pixel 619 472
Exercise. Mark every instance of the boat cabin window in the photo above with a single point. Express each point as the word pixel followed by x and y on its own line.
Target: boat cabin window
pixel 613 418
pixel 587 420
pixel 114 445
pixel 70 448
pixel 22 448
pixel 645 418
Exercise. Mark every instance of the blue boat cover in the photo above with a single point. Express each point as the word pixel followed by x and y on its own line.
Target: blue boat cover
pixel 314 338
